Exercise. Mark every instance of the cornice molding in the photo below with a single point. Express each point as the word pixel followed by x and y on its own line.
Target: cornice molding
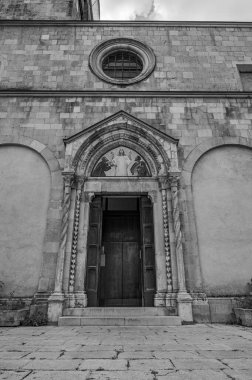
pixel 123 24
pixel 124 94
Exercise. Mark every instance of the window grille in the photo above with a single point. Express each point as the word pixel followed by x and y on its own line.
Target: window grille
pixel 122 65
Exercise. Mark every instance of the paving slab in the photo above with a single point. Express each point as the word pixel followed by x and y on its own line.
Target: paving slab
pixel 150 365
pixel 196 352
pixel 89 355
pixel 103 364
pixel 52 365
pixel 59 375
pixel 11 375
pixel 192 375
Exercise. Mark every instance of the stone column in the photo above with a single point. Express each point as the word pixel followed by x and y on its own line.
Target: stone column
pixel 75 232
pixel 160 266
pixel 184 298
pixel 164 186
pixel 57 298
pixel 80 292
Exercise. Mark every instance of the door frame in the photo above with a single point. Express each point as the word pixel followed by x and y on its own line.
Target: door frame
pixel 146 243
pixel 132 187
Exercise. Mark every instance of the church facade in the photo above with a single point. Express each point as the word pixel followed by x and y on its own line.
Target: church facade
pixel 125 161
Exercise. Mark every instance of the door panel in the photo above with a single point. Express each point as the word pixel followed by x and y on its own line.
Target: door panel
pixel 131 271
pixel 113 271
pixel 93 255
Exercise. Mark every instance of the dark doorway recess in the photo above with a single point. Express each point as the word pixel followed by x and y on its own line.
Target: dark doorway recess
pixel 121 259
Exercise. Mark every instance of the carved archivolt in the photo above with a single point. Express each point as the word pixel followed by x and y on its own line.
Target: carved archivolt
pixel 156 150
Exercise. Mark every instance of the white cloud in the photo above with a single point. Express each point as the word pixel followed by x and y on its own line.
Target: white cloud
pixel 205 10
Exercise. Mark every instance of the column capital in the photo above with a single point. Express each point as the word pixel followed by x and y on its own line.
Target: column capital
pixel 68 177
pixel 152 195
pixel 88 196
pixel 163 183
pixel 174 179
pixel 79 181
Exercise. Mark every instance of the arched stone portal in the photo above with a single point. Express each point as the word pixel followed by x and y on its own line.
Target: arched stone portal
pixel 122 158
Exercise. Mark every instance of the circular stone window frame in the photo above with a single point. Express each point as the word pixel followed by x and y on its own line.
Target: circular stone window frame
pixel 106 48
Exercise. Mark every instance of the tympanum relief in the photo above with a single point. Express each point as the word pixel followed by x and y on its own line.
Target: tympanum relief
pixel 121 162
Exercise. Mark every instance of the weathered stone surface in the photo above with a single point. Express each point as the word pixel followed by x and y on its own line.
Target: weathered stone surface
pixel 191 375
pixel 52 365
pixel 150 365
pixel 57 57
pixel 103 365
pixel 11 375
pixel 191 364
pixel 141 361
pixel 103 354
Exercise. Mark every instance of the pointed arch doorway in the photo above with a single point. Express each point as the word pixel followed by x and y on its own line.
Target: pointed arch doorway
pixel 122 157
pixel 121 254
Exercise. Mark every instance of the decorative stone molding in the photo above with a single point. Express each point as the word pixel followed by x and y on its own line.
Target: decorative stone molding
pixel 199 298
pixel 152 195
pixel 101 51
pixel 164 185
pixel 79 182
pixel 84 149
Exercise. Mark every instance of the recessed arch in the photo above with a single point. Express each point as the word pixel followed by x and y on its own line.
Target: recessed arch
pixel 192 254
pixel 51 220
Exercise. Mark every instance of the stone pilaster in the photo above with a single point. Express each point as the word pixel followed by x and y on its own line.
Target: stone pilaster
pixel 80 292
pixel 57 298
pixel 184 299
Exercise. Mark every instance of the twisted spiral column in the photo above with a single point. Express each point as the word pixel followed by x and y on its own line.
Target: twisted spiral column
pixel 80 183
pixel 68 180
pixel 174 183
pixel 164 186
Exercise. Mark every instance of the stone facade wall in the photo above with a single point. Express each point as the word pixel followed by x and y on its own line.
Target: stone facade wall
pixel 192 121
pixel 39 10
pixel 188 59
pixel 193 58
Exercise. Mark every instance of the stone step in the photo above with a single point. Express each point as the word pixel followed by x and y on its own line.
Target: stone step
pixel 120 321
pixel 115 312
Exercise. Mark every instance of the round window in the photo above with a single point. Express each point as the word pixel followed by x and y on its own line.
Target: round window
pixel 122 61
pixel 122 65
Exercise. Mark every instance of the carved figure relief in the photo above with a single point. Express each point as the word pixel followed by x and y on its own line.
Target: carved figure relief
pixel 121 162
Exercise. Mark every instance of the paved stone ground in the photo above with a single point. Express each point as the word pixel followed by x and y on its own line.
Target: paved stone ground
pixel 201 352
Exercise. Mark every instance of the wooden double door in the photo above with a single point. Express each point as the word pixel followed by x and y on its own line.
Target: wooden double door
pixel 121 258
pixel 120 270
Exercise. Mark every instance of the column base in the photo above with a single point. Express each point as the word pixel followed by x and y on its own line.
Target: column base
pixel 185 307
pixel 171 300
pixel 159 299
pixel 70 300
pixel 80 299
pixel 55 307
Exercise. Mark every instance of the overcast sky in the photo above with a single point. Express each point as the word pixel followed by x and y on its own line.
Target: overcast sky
pixel 205 10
